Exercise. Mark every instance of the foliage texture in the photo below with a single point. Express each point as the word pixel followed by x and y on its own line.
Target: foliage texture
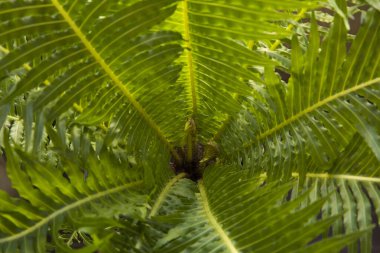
pixel 190 125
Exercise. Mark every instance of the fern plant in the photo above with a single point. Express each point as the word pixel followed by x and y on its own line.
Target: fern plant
pixel 170 126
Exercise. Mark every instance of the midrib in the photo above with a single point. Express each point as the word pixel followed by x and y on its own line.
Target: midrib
pixel 189 56
pixel 164 193
pixel 213 221
pixel 116 81
pixel 67 208
pixel 340 176
pixel 312 108
pixel 334 176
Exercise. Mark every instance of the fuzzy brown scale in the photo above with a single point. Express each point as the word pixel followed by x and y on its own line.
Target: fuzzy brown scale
pixel 195 167
pixel 192 167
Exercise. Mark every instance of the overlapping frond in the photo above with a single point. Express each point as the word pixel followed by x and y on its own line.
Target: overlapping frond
pixel 330 96
pixel 95 96
pixel 354 180
pixel 217 61
pixel 106 61
pixel 25 129
pixel 101 190
pixel 322 126
pixel 235 214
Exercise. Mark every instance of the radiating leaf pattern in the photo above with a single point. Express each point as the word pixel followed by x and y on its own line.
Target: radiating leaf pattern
pixel 104 102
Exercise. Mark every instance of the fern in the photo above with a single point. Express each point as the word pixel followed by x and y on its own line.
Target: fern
pixel 165 126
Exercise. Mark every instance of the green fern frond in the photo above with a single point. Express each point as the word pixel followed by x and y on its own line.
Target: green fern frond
pixel 329 97
pixel 171 126
pixel 217 64
pixel 80 63
pixel 228 215
pixel 56 194
pixel 355 174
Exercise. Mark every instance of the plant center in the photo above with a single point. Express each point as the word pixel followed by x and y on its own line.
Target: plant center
pixel 201 157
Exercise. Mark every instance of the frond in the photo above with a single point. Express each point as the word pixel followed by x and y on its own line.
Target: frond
pixel 354 179
pixel 218 60
pixel 90 196
pixel 329 98
pixel 108 107
pixel 322 127
pixel 235 214
pixel 76 53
